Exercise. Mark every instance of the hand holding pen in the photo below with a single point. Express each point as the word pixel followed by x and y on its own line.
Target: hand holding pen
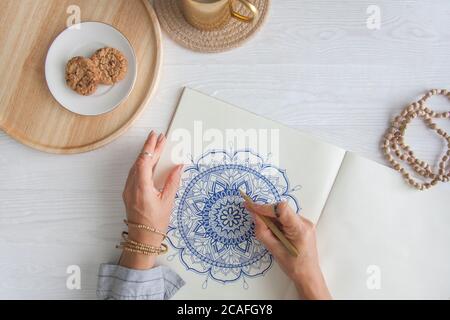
pixel 303 268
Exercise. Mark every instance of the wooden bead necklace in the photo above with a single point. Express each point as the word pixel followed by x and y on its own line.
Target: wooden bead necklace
pixel 395 148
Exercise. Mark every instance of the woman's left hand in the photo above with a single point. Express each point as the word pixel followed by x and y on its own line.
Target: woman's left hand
pixel 147 205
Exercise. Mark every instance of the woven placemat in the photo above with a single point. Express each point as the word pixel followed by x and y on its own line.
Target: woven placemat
pixel 230 36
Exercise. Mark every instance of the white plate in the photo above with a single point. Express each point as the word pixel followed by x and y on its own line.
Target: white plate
pixel 83 40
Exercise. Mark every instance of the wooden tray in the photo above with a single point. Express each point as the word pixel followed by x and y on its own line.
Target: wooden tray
pixel 28 112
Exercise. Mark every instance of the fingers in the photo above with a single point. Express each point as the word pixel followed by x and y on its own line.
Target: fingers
pixel 172 184
pixel 150 154
pixel 266 237
pixel 160 143
pixel 262 209
pixel 150 143
pixel 286 215
pixel 282 211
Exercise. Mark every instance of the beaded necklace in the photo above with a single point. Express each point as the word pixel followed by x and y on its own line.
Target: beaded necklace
pixel 395 149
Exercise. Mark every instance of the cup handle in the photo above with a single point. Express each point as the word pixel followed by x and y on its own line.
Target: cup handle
pixel 250 6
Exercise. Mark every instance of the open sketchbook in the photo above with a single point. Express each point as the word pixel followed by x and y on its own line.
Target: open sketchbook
pixel 377 237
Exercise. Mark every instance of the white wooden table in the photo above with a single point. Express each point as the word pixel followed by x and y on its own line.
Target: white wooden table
pixel 315 66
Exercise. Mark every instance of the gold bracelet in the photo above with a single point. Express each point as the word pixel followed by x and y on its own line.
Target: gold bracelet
pixel 145 227
pixel 163 248
pixel 160 250
pixel 154 251
pixel 138 247
pixel 138 251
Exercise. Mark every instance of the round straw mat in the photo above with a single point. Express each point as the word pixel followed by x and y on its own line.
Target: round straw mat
pixel 230 36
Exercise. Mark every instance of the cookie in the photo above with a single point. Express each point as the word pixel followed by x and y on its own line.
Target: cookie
pixel 82 75
pixel 112 65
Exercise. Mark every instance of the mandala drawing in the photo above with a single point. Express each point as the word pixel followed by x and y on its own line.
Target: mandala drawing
pixel 210 227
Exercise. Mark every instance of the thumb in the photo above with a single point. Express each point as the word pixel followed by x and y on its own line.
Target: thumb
pixel 172 184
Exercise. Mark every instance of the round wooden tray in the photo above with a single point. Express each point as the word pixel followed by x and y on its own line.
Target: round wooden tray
pixel 28 112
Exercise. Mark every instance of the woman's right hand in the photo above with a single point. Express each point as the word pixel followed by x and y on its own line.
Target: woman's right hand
pixel 304 269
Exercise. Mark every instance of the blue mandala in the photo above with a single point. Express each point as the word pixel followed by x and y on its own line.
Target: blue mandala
pixel 210 226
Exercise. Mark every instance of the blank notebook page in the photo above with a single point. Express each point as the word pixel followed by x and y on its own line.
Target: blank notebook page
pixel 381 239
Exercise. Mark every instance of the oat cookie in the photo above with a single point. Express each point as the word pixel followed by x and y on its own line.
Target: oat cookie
pixel 82 75
pixel 112 65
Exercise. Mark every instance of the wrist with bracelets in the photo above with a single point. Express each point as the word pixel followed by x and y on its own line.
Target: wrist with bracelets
pixel 134 246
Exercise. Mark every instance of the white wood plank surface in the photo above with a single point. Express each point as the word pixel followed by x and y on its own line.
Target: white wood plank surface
pixel 314 66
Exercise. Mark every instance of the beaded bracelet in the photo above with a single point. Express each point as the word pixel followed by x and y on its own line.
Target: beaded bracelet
pixel 138 247
pixel 133 250
pixel 394 145
pixel 145 227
